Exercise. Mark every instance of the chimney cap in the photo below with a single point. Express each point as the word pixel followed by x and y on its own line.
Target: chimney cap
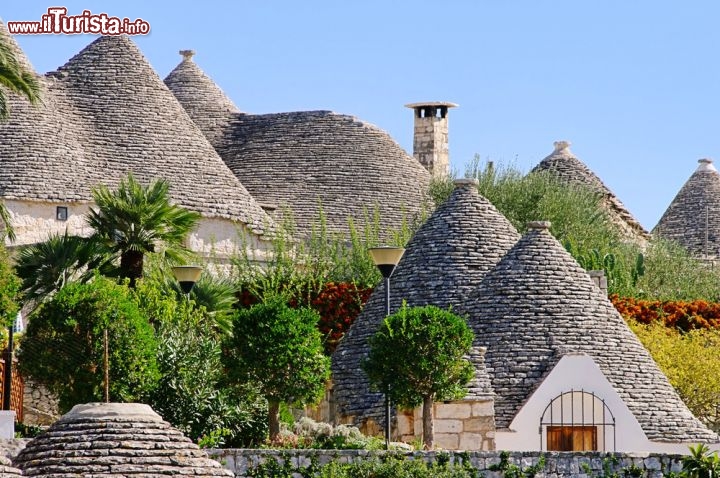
pixel 187 54
pixel 539 225
pixel 561 146
pixel 431 103
pixel 706 164
pixel 466 183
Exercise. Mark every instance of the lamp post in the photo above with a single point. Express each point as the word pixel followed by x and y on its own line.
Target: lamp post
pixel 386 259
pixel 7 379
pixel 187 276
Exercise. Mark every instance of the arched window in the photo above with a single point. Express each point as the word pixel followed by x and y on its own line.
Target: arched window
pixel 577 421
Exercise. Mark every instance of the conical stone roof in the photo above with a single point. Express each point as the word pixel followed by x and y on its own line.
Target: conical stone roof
pixel 310 161
pixel 115 440
pixel 106 113
pixel 307 161
pixel 201 98
pixel 537 305
pixel 693 217
pixel 444 261
pixel 567 167
pixel 19 54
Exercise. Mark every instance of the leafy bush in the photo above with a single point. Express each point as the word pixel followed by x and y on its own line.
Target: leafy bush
pixel 63 349
pixel 691 363
pixel 193 395
pixel 338 304
pixel 9 290
pixel 388 466
pixel 279 349
pixel 416 357
pixel 309 434
pixel 701 463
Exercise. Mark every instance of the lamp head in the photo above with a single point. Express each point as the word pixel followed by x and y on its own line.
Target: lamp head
pixel 386 258
pixel 187 276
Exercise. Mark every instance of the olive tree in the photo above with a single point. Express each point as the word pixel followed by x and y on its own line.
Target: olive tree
pixel 280 349
pixel 417 357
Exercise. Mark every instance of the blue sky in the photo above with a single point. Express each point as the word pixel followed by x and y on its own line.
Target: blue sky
pixel 632 84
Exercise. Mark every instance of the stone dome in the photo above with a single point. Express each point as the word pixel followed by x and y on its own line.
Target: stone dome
pixel 120 440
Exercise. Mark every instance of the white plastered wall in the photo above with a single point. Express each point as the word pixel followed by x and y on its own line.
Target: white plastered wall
pixel 579 372
pixel 214 238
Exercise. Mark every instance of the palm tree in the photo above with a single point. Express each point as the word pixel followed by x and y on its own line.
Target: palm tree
pixel 46 267
pixel 135 220
pixel 15 78
pixel 6 228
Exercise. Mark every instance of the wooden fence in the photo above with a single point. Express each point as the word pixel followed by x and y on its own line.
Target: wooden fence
pixel 16 392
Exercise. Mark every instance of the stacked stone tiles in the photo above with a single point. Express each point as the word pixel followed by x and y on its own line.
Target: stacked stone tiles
pixel 115 440
pixel 443 262
pixel 106 113
pixel 41 156
pixel 308 160
pixel 693 217
pixel 7 470
pixel 567 167
pixel 536 305
pixel 201 98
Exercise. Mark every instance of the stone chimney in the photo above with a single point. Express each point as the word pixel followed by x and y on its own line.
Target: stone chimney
pixel 430 143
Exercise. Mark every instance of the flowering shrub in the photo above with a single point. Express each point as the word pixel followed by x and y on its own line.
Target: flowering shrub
pixel 683 315
pixel 307 433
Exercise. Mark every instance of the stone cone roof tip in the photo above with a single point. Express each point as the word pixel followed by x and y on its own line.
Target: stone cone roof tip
pixel 693 217
pixel 567 167
pixel 116 116
pixel 203 100
pixel 115 440
pixel 446 259
pixel 19 53
pixel 536 305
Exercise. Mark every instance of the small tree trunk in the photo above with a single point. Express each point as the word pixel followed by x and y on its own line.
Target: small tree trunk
pixel 274 418
pixel 428 424
pixel 131 266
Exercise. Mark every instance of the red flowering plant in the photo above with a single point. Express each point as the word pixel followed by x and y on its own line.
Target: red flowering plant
pixel 679 314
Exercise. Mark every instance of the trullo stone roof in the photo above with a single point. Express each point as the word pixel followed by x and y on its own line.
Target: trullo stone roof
pixel 444 261
pixel 307 160
pixel 115 440
pixel 7 470
pixel 106 113
pixel 693 217
pixel 567 167
pixel 203 100
pixel 536 305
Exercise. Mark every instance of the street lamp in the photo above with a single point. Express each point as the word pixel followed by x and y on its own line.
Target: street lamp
pixel 187 276
pixel 386 259
pixel 7 387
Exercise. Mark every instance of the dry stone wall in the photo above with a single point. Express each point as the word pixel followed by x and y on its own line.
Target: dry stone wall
pixel 40 406
pixel 557 464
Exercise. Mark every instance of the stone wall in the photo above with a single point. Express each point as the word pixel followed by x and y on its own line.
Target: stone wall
pixel 40 407
pixel 459 425
pixel 557 464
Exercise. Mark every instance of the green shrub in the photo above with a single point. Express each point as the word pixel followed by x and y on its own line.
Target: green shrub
pixel 279 349
pixel 63 345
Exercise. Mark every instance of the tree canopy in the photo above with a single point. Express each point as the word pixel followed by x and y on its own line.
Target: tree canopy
pixel 281 350
pixel 417 357
pixel 63 345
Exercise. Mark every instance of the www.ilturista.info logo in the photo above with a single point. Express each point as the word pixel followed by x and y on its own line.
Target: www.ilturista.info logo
pixel 57 21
